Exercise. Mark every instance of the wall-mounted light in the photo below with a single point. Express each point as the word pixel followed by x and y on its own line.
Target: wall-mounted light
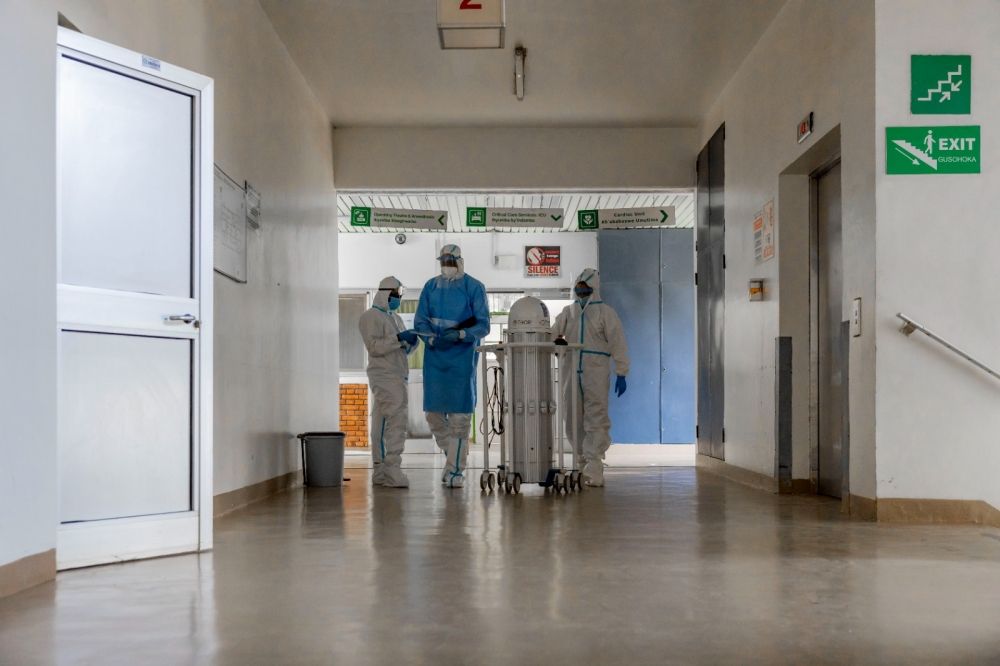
pixel 520 53
pixel 471 24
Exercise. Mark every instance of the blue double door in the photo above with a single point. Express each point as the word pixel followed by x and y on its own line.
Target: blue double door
pixel 647 276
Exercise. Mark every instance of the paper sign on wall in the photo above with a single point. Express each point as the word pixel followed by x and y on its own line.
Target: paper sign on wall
pixel 538 218
pixel 398 218
pixel 230 228
pixel 626 218
pixel 542 261
pixel 763 234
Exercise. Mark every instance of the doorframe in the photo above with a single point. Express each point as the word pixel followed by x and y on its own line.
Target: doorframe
pixel 202 418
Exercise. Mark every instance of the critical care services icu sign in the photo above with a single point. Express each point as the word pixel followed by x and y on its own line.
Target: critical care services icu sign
pixel 542 261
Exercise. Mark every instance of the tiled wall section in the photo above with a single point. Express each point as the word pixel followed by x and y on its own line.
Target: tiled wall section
pixel 354 413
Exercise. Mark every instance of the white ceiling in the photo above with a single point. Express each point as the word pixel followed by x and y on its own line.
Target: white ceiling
pixel 456 204
pixel 590 62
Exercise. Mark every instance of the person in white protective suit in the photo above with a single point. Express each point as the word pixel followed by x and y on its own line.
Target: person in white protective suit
pixel 388 344
pixel 595 325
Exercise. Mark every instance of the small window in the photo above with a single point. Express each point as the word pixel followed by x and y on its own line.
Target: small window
pixel 352 347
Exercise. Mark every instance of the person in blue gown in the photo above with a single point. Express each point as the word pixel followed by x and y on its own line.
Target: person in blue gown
pixel 453 316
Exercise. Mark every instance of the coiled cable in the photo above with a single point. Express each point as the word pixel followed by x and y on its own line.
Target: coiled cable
pixel 493 421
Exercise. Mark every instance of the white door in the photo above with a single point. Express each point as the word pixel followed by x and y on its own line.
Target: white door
pixel 134 334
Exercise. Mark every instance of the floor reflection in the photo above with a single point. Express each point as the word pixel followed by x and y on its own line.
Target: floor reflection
pixel 664 565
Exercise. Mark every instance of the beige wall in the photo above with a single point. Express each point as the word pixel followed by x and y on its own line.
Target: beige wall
pixel 817 56
pixel 526 157
pixel 276 364
pixel 938 416
pixel 27 281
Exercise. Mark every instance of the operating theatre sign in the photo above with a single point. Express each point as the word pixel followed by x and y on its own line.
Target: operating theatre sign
pixel 399 218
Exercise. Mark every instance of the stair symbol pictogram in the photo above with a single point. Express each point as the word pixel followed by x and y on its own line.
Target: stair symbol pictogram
pixel 915 153
pixel 945 95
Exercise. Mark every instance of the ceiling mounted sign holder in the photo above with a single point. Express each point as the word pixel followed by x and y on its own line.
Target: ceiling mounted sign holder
pixel 471 24
pixel 520 53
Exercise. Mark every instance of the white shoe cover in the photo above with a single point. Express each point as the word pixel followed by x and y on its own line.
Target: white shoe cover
pixel 394 477
pixel 378 475
pixel 593 473
pixel 456 481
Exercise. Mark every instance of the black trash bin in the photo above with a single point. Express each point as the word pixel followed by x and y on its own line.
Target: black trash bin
pixel 322 458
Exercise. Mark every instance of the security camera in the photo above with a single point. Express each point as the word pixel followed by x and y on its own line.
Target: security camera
pixel 400 239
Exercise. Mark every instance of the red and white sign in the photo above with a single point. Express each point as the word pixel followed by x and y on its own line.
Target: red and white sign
pixel 542 260
pixel 471 24
pixel 470 12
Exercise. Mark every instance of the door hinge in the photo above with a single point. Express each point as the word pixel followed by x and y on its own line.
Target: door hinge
pixel 723 262
pixel 697 432
pixel 723 435
pixel 696 279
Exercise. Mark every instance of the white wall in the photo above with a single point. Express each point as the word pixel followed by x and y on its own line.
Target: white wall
pixel 276 366
pixel 525 157
pixel 937 245
pixel 817 56
pixel 27 280
pixel 367 258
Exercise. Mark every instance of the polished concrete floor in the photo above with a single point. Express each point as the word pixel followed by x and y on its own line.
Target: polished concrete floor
pixel 663 566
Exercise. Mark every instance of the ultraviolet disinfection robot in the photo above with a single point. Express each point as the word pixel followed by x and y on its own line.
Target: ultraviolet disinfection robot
pixel 522 405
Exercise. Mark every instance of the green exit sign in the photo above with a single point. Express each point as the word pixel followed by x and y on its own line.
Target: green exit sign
pixel 929 150
pixel 940 84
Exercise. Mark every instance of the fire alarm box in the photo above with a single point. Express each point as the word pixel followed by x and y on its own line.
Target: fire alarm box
pixel 757 289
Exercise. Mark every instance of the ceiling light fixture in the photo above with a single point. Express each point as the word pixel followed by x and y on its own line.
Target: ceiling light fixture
pixel 519 55
pixel 471 24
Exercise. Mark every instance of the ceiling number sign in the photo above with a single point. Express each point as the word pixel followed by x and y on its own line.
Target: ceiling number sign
pixel 940 84
pixel 471 24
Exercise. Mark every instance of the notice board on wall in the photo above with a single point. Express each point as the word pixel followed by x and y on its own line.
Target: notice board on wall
pixel 230 227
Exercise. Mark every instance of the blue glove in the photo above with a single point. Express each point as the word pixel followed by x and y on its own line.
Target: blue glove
pixel 451 335
pixel 442 343
pixel 620 386
pixel 409 337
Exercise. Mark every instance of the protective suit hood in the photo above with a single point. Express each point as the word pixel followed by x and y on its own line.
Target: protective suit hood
pixel 385 287
pixel 456 252
pixel 593 279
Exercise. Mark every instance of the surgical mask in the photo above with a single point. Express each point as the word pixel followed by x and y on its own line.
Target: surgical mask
pixel 449 271
pixel 393 303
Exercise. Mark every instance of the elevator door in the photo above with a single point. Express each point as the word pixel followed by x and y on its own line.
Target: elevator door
pixel 830 281
pixel 711 289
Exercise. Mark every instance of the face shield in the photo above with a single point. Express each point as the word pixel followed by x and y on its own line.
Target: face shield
pixel 449 266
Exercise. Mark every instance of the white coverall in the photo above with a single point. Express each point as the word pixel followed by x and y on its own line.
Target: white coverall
pixel 597 327
pixel 388 370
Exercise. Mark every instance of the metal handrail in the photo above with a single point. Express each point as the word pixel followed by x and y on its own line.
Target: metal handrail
pixel 909 326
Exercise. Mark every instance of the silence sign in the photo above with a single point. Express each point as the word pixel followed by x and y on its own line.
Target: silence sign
pixel 542 260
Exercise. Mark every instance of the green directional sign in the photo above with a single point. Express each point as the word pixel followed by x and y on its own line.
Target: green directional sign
pixel 361 216
pixel 475 217
pixel 587 220
pixel 928 150
pixel 940 84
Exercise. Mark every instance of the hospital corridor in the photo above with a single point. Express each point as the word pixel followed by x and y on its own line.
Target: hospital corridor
pixel 473 331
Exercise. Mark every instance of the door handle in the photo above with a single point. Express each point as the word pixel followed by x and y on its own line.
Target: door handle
pixel 186 318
